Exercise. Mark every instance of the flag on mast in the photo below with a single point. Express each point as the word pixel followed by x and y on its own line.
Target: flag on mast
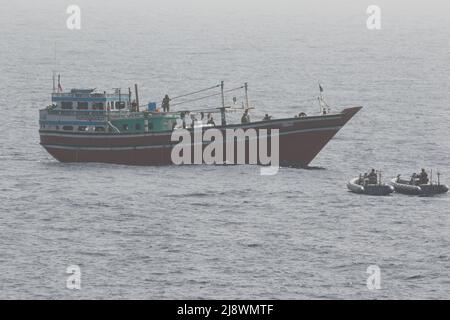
pixel 320 88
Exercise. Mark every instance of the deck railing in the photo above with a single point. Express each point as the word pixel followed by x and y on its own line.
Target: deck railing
pixel 89 95
pixel 93 114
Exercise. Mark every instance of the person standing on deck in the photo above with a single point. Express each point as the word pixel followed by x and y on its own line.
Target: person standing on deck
pixel 211 121
pixel 373 178
pixel 166 103
pixel 245 117
pixel 423 177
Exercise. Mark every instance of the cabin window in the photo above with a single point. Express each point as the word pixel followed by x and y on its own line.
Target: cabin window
pixel 68 128
pixel 82 128
pixel 99 129
pixel 98 106
pixel 82 106
pixel 125 127
pixel 66 105
pixel 120 105
pixel 137 126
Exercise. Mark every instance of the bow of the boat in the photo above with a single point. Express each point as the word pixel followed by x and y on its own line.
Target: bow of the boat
pixel 349 113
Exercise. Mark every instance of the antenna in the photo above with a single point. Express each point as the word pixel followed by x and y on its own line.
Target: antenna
pixel 137 97
pixel 246 95
pixel 118 91
pixel 320 98
pixel 59 83
pixel 222 93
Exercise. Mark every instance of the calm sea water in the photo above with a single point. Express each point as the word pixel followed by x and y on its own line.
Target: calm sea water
pixel 227 232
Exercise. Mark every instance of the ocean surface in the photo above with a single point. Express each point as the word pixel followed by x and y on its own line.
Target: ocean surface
pixel 215 232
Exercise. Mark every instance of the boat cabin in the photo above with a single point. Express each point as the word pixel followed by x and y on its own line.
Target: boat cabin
pixel 89 100
pixel 85 110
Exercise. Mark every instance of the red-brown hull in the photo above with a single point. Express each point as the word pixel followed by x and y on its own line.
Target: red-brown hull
pixel 300 140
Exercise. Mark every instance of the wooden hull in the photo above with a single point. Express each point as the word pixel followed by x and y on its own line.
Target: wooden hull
pixel 300 140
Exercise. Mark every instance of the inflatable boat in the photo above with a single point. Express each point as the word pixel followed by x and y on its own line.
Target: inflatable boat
pixel 358 185
pixel 406 187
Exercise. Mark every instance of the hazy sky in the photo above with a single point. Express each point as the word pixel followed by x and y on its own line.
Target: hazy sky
pixel 319 7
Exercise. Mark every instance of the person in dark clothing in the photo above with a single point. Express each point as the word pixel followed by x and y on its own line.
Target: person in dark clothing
pixel 423 177
pixel 211 121
pixel 245 117
pixel 166 103
pixel 267 117
pixel 373 178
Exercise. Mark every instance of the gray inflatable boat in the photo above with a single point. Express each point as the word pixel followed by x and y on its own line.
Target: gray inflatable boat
pixel 406 187
pixel 358 185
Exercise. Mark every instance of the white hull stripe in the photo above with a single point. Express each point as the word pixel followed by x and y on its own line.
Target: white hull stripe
pixel 93 148
pixel 254 125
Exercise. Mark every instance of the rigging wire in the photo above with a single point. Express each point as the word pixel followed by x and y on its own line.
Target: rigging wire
pixel 234 89
pixel 195 92
pixel 196 99
pixel 205 97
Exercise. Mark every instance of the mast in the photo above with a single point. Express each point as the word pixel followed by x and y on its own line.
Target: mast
pixel 246 95
pixel 137 97
pixel 222 93
pixel 222 110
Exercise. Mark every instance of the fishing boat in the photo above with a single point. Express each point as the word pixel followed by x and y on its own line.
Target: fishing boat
pixel 87 125
pixel 414 187
pixel 363 185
